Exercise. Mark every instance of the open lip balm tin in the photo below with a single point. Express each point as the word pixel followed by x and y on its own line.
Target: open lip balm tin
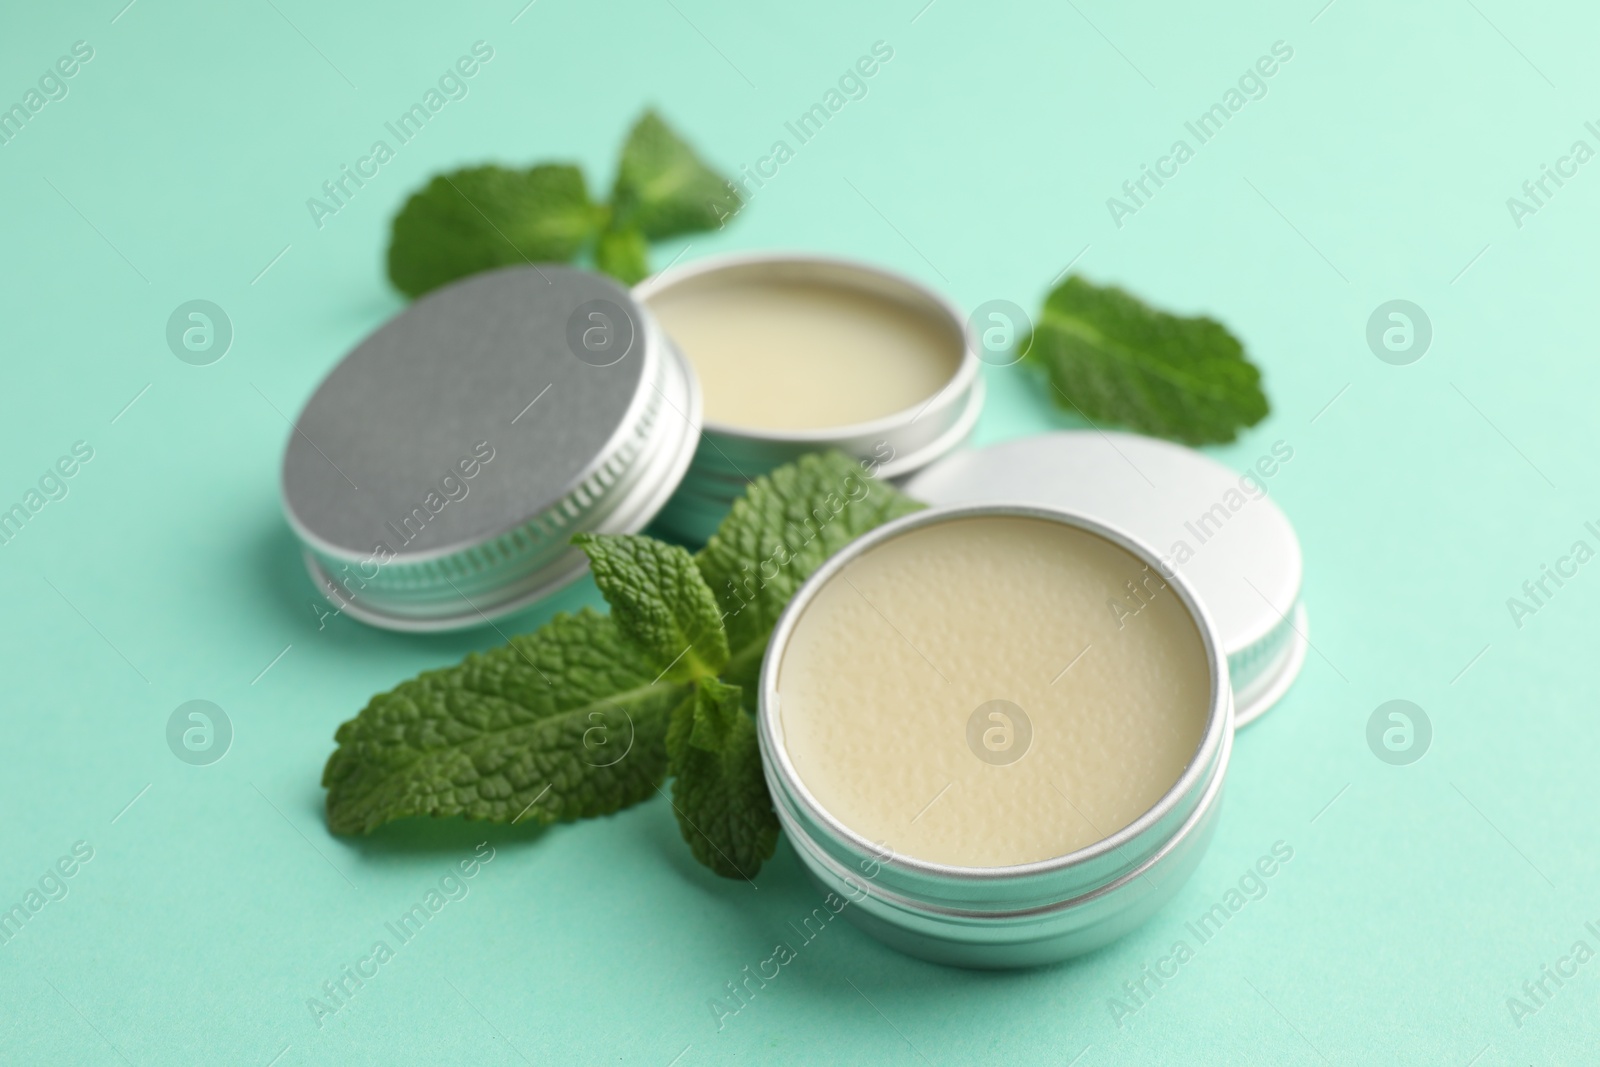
pixel 922 403
pixel 1019 914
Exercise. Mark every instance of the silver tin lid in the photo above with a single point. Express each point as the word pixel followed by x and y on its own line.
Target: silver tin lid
pixel 438 474
pixel 1215 526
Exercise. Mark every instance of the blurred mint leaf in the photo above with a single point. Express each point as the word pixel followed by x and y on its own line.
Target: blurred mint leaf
pixel 1113 358
pixel 480 218
pixel 719 793
pixel 536 730
pixel 659 601
pixel 786 524
pixel 623 254
pixel 663 188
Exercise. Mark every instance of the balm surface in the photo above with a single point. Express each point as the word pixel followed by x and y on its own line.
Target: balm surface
pixel 780 354
pixel 888 691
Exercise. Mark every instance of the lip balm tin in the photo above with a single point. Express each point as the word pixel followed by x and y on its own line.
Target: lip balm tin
pixel 1016 916
pixel 729 457
pixel 587 414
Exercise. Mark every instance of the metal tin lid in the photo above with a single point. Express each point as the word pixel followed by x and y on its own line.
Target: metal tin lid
pixel 1213 524
pixel 437 475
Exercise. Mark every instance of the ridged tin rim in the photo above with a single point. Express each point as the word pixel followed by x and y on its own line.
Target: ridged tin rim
pixel 1187 800
pixel 1283 657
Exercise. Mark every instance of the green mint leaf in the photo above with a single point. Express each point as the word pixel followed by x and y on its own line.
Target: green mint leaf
pixel 660 601
pixel 1113 358
pixel 486 217
pixel 784 527
pixel 663 188
pixel 565 723
pixel 719 793
pixel 623 254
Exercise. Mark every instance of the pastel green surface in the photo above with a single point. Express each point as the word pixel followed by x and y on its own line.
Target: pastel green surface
pixel 1419 898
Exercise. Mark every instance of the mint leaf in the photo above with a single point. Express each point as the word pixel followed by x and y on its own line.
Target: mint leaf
pixel 565 723
pixel 659 601
pixel 485 217
pixel 1113 358
pixel 784 527
pixel 624 255
pixel 719 793
pixel 663 188
pixel 480 218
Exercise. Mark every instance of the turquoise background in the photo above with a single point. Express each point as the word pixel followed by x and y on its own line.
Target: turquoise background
pixel 1419 898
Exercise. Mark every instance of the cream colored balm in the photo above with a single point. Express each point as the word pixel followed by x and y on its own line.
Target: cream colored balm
pixel 992 691
pixel 775 353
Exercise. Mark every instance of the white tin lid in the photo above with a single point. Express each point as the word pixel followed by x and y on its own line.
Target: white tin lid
pixel 1215 525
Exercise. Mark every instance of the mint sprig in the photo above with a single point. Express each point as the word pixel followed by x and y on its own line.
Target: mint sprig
pixel 1111 357
pixel 591 713
pixel 480 218
pixel 718 790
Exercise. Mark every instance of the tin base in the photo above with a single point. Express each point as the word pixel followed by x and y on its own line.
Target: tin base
pixel 1037 947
